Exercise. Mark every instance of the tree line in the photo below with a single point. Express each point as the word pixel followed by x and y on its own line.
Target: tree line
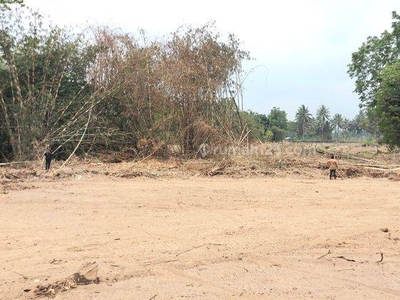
pixel 324 126
pixel 103 90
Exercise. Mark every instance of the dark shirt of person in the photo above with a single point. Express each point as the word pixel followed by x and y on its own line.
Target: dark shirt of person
pixel 48 157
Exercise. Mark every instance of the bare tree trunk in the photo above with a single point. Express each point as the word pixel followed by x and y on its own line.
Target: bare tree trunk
pixel 7 121
pixel 17 96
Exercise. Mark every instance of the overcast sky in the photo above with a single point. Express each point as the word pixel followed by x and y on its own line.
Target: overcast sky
pixel 300 48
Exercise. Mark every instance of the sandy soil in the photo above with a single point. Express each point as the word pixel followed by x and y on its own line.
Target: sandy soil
pixel 198 237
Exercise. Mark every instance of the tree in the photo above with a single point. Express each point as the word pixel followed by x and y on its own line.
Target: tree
pixel 199 71
pixel 303 119
pixel 6 4
pixel 291 130
pixel 345 125
pixel 277 123
pixel 11 1
pixel 42 70
pixel 256 125
pixel 324 129
pixel 371 58
pixel 355 126
pixel 278 118
pixel 323 114
pixel 372 119
pixel 388 104
pixel 337 123
pixel 278 133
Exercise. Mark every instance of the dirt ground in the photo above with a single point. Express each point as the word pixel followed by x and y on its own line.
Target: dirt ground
pixel 292 235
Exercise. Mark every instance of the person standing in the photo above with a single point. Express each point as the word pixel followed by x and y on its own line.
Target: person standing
pixel 48 156
pixel 333 166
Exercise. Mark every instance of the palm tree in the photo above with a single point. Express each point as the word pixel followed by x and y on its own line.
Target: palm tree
pixel 337 123
pixel 358 123
pixel 323 117
pixel 346 125
pixel 303 118
pixel 323 114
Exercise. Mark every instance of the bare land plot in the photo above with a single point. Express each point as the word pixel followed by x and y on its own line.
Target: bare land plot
pixel 196 237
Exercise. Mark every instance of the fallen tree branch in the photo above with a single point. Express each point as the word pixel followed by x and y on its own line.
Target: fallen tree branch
pixel 340 155
pixel 14 163
pixel 389 168
pixel 383 169
pixel 82 136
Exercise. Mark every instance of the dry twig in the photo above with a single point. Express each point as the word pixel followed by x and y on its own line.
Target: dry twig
pixel 23 276
pixel 381 258
pixel 329 252
pixel 342 257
